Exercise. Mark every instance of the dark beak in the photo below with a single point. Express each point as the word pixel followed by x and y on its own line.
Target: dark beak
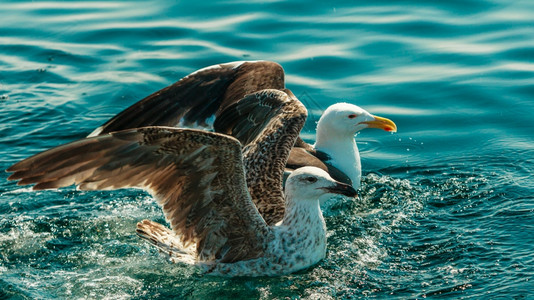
pixel 343 189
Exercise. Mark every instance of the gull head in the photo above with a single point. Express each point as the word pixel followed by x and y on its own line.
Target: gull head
pixel 347 119
pixel 312 183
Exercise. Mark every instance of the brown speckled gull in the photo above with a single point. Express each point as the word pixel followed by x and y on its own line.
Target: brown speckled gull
pixel 199 180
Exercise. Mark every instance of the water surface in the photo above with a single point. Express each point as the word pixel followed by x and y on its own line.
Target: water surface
pixel 446 208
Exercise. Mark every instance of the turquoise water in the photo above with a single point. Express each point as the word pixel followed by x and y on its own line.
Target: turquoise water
pixel 446 208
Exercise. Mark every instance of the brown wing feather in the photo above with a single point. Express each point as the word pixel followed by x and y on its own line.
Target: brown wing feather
pixel 278 117
pixel 196 176
pixel 247 118
pixel 198 96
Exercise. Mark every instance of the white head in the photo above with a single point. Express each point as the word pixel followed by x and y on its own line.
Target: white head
pixel 312 183
pixel 345 119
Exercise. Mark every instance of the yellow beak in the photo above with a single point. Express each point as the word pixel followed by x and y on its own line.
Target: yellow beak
pixel 382 123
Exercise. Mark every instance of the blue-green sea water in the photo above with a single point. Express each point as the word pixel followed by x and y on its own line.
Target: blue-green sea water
pixel 447 205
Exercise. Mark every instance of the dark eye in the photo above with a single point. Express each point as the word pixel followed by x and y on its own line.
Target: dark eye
pixel 311 179
pixel 352 116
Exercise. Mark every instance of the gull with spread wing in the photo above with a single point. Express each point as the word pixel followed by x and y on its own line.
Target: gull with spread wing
pixel 218 91
pixel 198 178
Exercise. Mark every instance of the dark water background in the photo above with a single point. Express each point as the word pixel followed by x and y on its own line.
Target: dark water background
pixel 447 206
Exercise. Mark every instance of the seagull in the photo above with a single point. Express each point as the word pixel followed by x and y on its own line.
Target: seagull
pixel 199 179
pixel 215 95
pixel 296 243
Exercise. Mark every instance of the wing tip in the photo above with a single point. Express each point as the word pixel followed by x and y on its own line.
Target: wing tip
pixel 43 186
pixel 13 176
pixel 38 187
pixel 25 177
pixel 16 167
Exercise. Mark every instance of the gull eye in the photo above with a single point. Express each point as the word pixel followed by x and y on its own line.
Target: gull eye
pixel 311 179
pixel 352 116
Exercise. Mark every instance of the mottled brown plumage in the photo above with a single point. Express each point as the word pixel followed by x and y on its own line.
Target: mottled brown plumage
pixel 199 180
pixel 286 118
pixel 211 92
pixel 196 176
pixel 198 96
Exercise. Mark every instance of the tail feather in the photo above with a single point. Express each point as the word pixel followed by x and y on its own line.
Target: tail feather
pixel 166 241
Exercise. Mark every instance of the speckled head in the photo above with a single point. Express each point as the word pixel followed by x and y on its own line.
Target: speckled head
pixel 310 183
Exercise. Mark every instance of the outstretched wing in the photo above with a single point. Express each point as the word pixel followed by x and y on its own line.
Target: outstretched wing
pixel 268 122
pixel 196 176
pixel 248 117
pixel 198 96
pixel 245 119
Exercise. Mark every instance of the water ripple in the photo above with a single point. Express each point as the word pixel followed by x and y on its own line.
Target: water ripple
pixel 445 207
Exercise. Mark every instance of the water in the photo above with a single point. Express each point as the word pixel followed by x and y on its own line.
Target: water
pixel 446 208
